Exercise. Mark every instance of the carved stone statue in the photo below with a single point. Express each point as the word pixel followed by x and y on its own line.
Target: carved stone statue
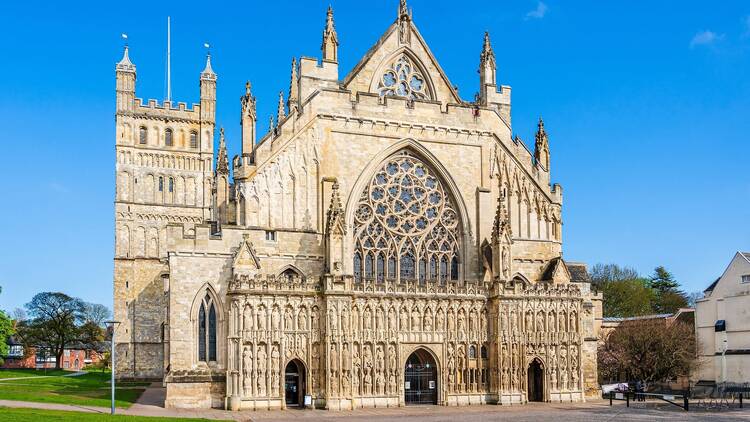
pixel 527 322
pixel 247 319
pixel 367 319
pixel 247 370
pixel 302 320
pixel 540 325
pixel 288 322
pixel 428 321
pixel 333 360
pixel 275 358
pixel 392 358
pixel 553 379
pixel 439 320
pixel 415 325
pixel 380 320
pixel 380 382
pixel 344 320
pixel 275 316
pixel 262 358
pixel 346 358
pixel 274 383
pixel 451 323
pixel 461 323
pixel 392 320
pixel 261 319
pixel 404 320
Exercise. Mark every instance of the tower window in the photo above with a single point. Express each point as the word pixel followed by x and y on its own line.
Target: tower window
pixel 143 135
pixel 270 235
pixel 193 140
pixel 168 137
pixel 171 185
pixel 161 184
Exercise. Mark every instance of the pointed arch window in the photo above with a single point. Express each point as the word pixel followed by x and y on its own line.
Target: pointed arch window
pixel 407 215
pixel 171 185
pixel 161 184
pixel 207 330
pixel 168 137
pixel 194 139
pixel 142 135
pixel 403 79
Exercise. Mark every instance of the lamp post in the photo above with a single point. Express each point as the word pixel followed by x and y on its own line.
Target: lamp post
pixel 112 361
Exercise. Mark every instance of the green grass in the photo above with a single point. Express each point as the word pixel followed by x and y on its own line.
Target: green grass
pixel 17 373
pixel 36 415
pixel 90 389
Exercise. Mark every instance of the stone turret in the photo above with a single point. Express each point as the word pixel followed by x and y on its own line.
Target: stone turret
pixel 125 71
pixel 248 120
pixel 293 101
pixel 502 238
pixel 487 70
pixel 208 92
pixel 330 45
pixel 541 146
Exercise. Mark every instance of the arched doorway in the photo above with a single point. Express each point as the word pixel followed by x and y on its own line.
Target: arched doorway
pixel 294 383
pixel 420 379
pixel 535 389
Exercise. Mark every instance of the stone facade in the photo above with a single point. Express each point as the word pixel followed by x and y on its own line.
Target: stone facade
pixel 384 243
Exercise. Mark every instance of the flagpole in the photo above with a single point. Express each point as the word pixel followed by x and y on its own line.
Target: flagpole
pixel 169 58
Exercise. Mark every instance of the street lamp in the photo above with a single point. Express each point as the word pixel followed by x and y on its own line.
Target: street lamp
pixel 112 361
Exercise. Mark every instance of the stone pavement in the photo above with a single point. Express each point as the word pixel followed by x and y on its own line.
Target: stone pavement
pixel 151 402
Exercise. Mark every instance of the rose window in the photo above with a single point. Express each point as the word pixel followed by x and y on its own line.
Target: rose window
pixel 402 79
pixel 406 225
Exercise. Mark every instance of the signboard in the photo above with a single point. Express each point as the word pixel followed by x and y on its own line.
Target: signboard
pixel 619 396
pixel 308 400
pixel 432 385
pixel 407 385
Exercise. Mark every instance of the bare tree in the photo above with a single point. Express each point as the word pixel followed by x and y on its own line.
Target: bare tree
pixel 650 350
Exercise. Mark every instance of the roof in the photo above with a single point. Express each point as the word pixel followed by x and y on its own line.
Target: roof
pixel 636 318
pixel 578 272
pixel 710 288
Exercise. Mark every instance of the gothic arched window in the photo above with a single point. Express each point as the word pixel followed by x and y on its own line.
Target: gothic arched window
pixel 403 79
pixel 406 214
pixel 207 330
pixel 168 137
pixel 143 135
pixel 193 140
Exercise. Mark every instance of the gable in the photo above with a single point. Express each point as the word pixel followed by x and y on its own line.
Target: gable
pixel 392 46
pixel 729 284
pixel 245 259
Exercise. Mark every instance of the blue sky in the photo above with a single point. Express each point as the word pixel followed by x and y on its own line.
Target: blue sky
pixel 646 103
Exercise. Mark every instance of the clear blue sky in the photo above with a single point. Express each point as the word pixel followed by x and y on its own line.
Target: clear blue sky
pixel 647 104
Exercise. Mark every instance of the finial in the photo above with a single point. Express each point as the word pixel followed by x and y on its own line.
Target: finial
pixel 488 55
pixel 402 9
pixel 293 88
pixel 221 134
pixel 125 64
pixel 540 125
pixel 247 87
pixel 330 39
pixel 270 123
pixel 280 114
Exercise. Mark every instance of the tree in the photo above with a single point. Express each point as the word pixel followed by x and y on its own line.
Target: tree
pixel 627 298
pixel 650 350
pixel 57 321
pixel 668 296
pixel 625 292
pixel 6 330
pixel 97 313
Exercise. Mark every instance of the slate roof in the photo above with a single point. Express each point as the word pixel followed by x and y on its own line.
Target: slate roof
pixel 578 272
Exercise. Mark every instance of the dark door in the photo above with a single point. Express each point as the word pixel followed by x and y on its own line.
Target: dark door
pixel 420 378
pixel 536 381
pixel 294 390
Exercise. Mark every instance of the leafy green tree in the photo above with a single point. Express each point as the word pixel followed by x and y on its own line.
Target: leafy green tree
pixel 57 321
pixel 669 298
pixel 626 298
pixel 626 293
pixel 6 330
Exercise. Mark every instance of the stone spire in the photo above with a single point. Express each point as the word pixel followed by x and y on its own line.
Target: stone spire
pixel 487 69
pixel 293 100
pixel 125 65
pixel 208 72
pixel 248 120
pixel 502 238
pixel 335 214
pixel 541 146
pixel 330 45
pixel 280 113
pixel 222 161
pixel 271 126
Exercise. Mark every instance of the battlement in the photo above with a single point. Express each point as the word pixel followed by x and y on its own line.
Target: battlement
pixel 167 109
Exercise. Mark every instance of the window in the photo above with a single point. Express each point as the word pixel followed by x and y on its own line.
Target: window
pixel 270 235
pixel 746 278
pixel 483 352
pixel 15 351
pixel 357 266
pixel 207 330
pixel 143 135
pixel 161 184
pixel 403 79
pixel 472 352
pixel 193 140
pixel 406 214
pixel 171 185
pixel 168 137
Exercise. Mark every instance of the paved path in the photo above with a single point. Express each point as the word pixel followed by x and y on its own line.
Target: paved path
pixel 151 402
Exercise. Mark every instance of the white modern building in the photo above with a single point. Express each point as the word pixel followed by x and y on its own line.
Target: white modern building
pixel 722 325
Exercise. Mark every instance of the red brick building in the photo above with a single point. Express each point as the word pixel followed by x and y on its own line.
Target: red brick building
pixel 73 359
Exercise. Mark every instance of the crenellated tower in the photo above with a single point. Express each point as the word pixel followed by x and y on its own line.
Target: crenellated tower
pixel 164 173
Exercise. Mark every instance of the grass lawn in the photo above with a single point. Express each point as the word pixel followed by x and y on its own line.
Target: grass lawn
pixel 36 415
pixel 17 373
pixel 91 389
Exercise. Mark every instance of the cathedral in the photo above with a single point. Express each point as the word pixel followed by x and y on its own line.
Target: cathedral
pixel 384 243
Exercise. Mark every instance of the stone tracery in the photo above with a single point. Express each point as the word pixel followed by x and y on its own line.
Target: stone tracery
pixel 406 225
